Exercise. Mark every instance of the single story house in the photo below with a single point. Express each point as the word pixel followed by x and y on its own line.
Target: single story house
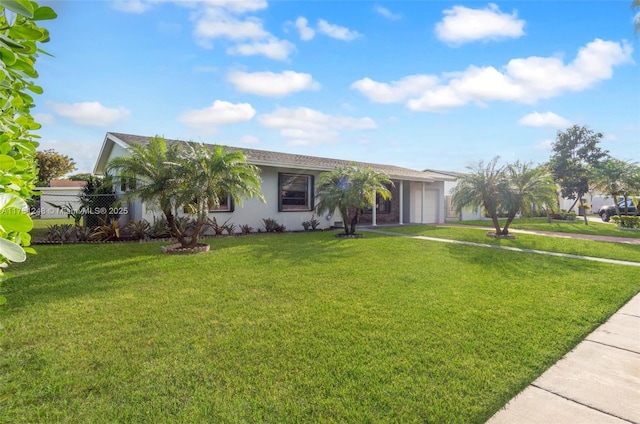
pixel 288 182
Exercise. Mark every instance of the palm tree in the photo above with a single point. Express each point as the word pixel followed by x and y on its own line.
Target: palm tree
pixel 154 167
pixel 482 187
pixel 208 175
pixel 350 190
pixel 616 177
pixel 186 175
pixel 528 186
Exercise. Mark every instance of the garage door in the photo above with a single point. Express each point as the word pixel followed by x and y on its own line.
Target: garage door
pixel 430 206
pixel 424 212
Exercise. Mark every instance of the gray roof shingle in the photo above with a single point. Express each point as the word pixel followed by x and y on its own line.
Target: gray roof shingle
pixel 289 160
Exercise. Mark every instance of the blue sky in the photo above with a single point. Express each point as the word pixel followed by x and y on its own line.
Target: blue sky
pixel 420 84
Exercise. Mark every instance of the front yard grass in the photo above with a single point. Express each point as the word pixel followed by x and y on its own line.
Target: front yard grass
pixel 290 328
pixel 541 224
pixel 599 249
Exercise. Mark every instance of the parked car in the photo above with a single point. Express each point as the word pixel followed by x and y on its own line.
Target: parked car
pixel 607 211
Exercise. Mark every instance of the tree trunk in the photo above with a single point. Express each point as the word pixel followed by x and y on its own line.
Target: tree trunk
pixel 174 229
pixel 345 220
pixel 510 219
pixel 576 201
pixel 496 224
pixel 354 221
pixel 196 233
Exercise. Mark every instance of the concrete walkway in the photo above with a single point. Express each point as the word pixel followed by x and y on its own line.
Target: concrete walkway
pixel 598 382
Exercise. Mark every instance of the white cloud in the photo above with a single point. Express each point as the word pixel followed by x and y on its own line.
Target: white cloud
pixel 306 32
pixel 395 91
pixel 544 120
pixel 90 113
pixel 272 84
pixel 461 25
pixel 216 23
pixel 383 11
pixel 272 48
pixel 219 113
pixel 44 118
pixel 337 31
pixel 237 6
pixel 521 80
pixel 304 126
pixel 132 6
pixel 224 19
pixel 437 99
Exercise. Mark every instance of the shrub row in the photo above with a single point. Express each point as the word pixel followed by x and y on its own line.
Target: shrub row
pixel 626 221
pixel 143 230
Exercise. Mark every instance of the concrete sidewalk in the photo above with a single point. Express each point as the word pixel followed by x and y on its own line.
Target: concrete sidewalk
pixel 597 382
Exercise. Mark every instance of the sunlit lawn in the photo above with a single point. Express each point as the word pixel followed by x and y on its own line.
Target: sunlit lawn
pixel 620 251
pixel 541 224
pixel 290 328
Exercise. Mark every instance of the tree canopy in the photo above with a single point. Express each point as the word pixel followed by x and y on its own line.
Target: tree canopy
pixel 575 153
pixel 350 190
pixel 189 176
pixel 512 188
pixel 52 165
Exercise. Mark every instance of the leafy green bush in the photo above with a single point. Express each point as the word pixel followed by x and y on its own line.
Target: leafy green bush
pixel 159 228
pixel 19 39
pixel 272 226
pixel 138 230
pixel 218 229
pixel 626 221
pixel 564 216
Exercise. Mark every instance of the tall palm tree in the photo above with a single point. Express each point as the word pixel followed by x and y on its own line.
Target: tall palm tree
pixel 209 175
pixel 527 186
pixel 483 187
pixel 155 167
pixel 350 190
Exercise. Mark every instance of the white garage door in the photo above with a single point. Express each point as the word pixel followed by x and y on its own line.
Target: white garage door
pixel 424 212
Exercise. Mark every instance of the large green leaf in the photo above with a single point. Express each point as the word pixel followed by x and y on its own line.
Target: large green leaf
pixel 7 56
pixel 7 162
pixel 20 32
pixel 21 7
pixel 44 12
pixel 14 219
pixel 12 251
pixel 11 200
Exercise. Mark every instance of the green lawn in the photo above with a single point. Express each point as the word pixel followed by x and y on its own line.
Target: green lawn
pixel 541 224
pixel 600 249
pixel 290 328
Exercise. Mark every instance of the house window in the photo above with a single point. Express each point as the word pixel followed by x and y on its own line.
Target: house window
pixel 382 206
pixel 295 192
pixel 226 205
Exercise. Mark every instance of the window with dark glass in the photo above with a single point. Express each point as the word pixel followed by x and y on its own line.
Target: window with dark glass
pixel 295 192
pixel 226 205
pixel 382 206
